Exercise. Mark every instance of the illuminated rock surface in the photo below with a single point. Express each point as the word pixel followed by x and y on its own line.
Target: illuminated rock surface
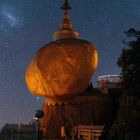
pixel 62 68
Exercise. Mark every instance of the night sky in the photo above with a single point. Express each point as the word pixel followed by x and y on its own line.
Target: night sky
pixel 26 25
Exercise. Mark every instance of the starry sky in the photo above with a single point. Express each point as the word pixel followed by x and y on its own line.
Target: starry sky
pixel 26 25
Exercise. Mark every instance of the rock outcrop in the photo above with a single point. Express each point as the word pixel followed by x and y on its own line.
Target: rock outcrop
pixel 86 109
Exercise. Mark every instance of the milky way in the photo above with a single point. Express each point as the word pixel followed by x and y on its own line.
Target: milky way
pixel 26 25
pixel 11 20
pixel 9 17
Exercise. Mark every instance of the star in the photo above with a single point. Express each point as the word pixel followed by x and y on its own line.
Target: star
pixel 37 98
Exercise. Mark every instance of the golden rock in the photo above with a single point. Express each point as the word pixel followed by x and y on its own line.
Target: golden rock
pixel 62 68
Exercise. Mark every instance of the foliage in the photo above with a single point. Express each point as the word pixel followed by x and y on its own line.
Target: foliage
pixel 129 61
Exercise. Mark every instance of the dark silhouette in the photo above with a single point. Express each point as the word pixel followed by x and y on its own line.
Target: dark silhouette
pixel 129 61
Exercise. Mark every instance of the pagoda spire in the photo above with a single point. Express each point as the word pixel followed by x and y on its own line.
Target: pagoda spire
pixel 66 31
pixel 66 23
pixel 66 5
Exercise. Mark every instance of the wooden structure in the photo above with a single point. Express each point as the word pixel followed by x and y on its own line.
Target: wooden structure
pixel 90 132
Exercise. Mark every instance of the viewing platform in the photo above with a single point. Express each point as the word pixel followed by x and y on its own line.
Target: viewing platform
pixel 110 83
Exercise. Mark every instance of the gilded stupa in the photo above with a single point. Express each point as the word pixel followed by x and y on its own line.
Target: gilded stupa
pixel 64 67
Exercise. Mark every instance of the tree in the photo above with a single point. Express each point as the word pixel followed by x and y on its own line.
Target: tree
pixel 129 62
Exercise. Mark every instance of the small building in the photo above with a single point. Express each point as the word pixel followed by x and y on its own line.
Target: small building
pixel 110 84
pixel 19 132
pixel 90 132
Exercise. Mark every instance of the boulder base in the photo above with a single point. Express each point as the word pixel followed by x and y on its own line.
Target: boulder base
pixel 83 110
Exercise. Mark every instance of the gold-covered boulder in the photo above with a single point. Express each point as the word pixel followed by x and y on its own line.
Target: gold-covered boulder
pixel 62 68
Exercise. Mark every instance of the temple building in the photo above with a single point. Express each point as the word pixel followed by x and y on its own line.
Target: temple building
pixel 62 72
pixel 90 132
pixel 110 85
pixel 19 132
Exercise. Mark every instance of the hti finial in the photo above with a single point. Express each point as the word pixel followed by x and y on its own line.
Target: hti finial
pixel 66 23
pixel 66 31
pixel 66 5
